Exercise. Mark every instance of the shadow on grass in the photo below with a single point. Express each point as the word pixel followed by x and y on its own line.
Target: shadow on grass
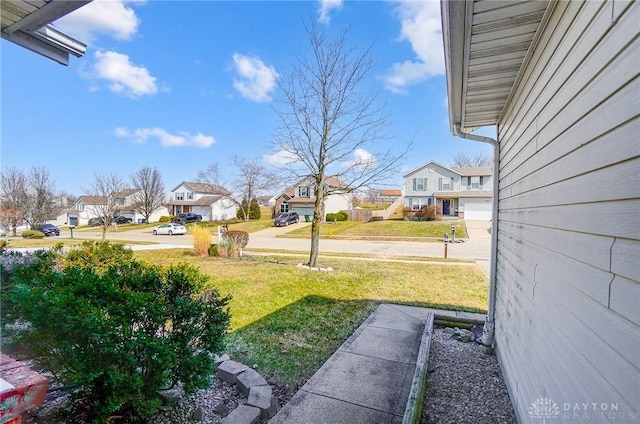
pixel 291 344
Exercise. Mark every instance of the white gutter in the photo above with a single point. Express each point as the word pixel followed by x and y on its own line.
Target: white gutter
pixel 489 326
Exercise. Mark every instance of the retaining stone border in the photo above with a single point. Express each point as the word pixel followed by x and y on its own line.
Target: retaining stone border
pixel 261 403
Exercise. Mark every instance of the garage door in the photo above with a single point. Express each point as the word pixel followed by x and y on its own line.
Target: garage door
pixel 477 211
pixel 302 211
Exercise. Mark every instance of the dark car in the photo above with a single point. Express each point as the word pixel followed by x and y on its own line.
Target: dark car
pixel 185 218
pixel 48 229
pixel 95 222
pixel 286 218
pixel 122 220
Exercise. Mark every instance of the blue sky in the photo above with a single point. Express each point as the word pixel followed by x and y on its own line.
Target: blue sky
pixel 178 85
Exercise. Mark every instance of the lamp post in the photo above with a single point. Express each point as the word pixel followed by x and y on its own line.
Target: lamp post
pixel 453 234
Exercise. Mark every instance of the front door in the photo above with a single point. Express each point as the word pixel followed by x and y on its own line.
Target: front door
pixel 445 207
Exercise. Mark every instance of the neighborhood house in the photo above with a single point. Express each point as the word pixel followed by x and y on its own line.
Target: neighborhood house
pixel 462 192
pixel 301 198
pixel 88 207
pixel 209 200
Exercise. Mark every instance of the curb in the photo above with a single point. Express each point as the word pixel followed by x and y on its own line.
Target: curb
pixel 413 409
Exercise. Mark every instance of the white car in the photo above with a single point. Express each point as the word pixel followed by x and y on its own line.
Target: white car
pixel 170 229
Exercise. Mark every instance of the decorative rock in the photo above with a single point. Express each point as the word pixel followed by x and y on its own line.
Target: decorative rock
pixel 170 396
pixel 262 397
pixel 198 414
pixel 220 359
pixel 462 335
pixel 228 370
pixel 248 379
pixel 449 330
pixel 243 414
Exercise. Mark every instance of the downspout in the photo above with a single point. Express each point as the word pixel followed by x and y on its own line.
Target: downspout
pixel 489 326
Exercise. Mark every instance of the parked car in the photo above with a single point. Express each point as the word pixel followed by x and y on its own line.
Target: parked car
pixel 286 218
pixel 122 220
pixel 48 229
pixel 170 229
pixel 185 218
pixel 95 222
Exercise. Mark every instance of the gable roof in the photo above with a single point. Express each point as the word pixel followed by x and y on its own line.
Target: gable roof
pixel 431 162
pixel 203 201
pixel 390 192
pixel 203 188
pixel 474 171
pixel 92 200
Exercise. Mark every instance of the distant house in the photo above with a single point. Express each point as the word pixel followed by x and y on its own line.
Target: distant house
pixel 388 195
pixel 88 207
pixel 462 192
pixel 209 200
pixel 301 197
pixel 560 81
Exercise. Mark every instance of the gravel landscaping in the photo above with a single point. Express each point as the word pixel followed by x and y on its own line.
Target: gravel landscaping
pixel 464 384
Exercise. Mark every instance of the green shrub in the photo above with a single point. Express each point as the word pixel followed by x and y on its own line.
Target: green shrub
pixel 213 250
pixel 254 209
pixel 97 255
pixel 32 234
pixel 338 216
pixel 240 238
pixel 121 335
pixel 165 218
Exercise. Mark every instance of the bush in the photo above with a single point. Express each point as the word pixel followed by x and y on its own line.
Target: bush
pixel 254 209
pixel 32 234
pixel 121 335
pixel 240 238
pixel 228 249
pixel 213 250
pixel 3 243
pixel 165 218
pixel 97 255
pixel 201 240
pixel 338 216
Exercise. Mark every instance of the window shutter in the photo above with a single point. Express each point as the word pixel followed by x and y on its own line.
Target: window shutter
pixel 414 184
pixel 440 184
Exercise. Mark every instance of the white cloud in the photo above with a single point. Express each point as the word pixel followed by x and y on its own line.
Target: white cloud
pixel 101 17
pixel 182 139
pixel 124 77
pixel 280 158
pixel 361 160
pixel 325 8
pixel 422 27
pixel 255 80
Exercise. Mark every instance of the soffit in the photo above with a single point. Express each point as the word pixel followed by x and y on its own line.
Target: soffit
pixel 26 23
pixel 486 43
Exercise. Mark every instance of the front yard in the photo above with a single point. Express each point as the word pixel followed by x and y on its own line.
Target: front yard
pixel 397 230
pixel 288 320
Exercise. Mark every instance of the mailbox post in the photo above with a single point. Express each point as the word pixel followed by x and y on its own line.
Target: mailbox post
pixel 71 227
pixel 453 234
pixel 446 242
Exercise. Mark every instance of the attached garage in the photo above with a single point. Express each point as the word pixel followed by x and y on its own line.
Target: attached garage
pixel 476 209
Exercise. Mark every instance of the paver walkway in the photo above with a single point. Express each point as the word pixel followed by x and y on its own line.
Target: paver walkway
pixel 368 379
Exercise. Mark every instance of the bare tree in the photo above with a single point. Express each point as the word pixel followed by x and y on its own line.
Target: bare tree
pixel 462 160
pixel 42 204
pixel 332 122
pixel 105 188
pixel 150 191
pixel 250 180
pixel 14 198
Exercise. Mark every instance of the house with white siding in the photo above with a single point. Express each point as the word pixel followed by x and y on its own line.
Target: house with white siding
pixel 211 201
pixel 462 192
pixel 560 80
pixel 301 197
pixel 88 207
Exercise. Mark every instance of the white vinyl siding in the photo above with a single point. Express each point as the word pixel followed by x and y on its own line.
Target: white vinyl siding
pixel 568 281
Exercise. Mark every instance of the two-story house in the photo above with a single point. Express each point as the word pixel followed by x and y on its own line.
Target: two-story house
pixel 462 192
pixel 209 200
pixel 301 197
pixel 88 207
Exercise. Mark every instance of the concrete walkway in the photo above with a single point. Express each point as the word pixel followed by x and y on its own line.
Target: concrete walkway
pixel 369 378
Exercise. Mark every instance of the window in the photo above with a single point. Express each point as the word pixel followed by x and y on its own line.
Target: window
pixel 284 207
pixel 179 196
pixel 475 183
pixel 447 185
pixel 419 184
pixel 481 181
pixel 189 195
pixel 303 191
pixel 120 201
pixel 468 183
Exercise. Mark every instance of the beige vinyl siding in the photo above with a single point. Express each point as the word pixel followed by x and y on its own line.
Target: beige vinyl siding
pixel 568 273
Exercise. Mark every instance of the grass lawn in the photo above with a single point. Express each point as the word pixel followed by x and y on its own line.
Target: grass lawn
pixel 289 321
pixel 381 230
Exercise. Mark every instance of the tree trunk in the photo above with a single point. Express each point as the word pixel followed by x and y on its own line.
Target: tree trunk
pixel 315 226
pixel 104 233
